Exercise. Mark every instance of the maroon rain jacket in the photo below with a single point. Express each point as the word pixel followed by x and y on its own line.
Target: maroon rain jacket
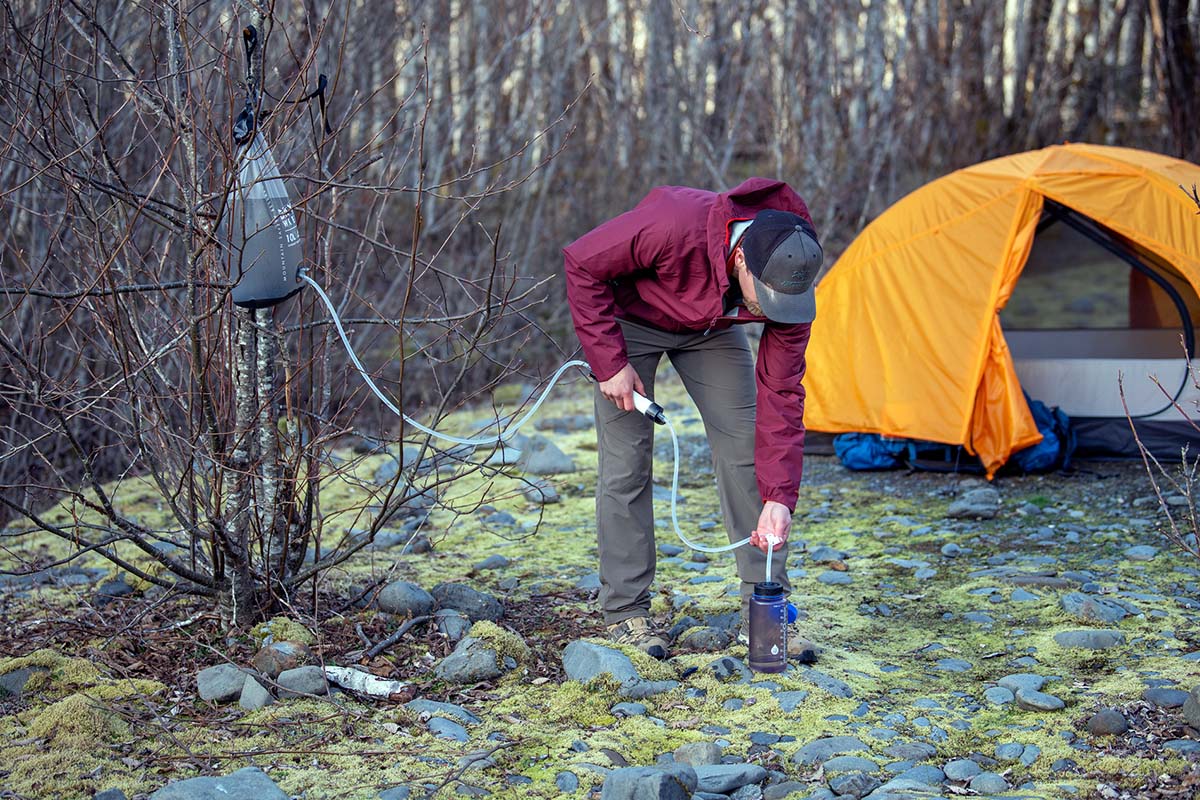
pixel 664 264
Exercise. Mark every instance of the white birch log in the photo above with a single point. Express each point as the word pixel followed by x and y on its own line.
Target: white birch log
pixel 364 682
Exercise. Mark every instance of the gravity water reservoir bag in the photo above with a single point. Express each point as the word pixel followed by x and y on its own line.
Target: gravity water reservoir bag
pixel 262 242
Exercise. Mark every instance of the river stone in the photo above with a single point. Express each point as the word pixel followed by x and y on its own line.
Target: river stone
pixel 923 773
pixel 1164 697
pixel 249 783
pixel 275 657
pixel 452 623
pixel 822 750
pixel 1022 680
pixel 853 784
pixel 567 782
pixel 988 783
pixel 675 782
pixel 220 684
pixel 541 456
pixel 1182 746
pixel 835 578
pixel 1093 639
pixel 905 789
pixel 471 662
pixel 1191 708
pixel 910 751
pixel 981 503
pixel 404 599
pixel 1009 751
pixel 828 683
pixel 447 729
pixel 725 778
pixel 583 661
pixel 788 701
pixel 302 681
pixel 962 769
pixel 109 794
pixel 998 695
pixel 1142 552
pixel 698 754
pixel 790 789
pixel 254 695
pixel 1107 722
pixel 639 689
pixel 542 492
pixel 396 793
pixel 1038 701
pixel 475 604
pixel 1090 608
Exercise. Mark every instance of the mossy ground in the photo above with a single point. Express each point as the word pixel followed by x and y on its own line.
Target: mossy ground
pixel 883 635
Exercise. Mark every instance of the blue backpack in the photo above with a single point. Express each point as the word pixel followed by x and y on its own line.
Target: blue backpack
pixel 869 451
pixel 1058 440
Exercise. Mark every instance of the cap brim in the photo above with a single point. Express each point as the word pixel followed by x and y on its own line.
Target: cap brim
pixel 786 308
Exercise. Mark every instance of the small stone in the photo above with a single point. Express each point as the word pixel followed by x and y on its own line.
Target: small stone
pixel 951 550
pixel 220 684
pixel 988 783
pixel 404 599
pixel 1038 701
pixel 999 696
pixel 567 782
pixel 1063 765
pixel 249 782
pixel 494 561
pixel 1022 680
pixel 1093 639
pixel 962 769
pixel 448 729
pixel 1164 697
pixel 852 764
pixel 834 578
pixel 1010 751
pixel 698 753
pixel 275 657
pixel 471 662
pixel 475 604
pixel 542 492
pixel 1142 552
pixel 821 750
pixel 302 681
pixel 254 695
pixel 1091 608
pixel 1030 754
pixel 787 789
pixel 582 661
pixel 981 503
pixel 1191 707
pixel 725 778
pixel 1019 595
pixel 1107 722
pixel 628 710
pixel 676 782
pixel 853 784
pixel 109 794
pixel 953 665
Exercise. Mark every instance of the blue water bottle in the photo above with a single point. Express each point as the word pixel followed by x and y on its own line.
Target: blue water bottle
pixel 768 628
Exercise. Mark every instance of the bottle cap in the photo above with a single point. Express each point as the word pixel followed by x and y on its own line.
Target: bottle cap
pixel 768 589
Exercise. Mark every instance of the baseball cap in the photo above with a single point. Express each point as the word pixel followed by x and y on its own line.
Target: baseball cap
pixel 784 257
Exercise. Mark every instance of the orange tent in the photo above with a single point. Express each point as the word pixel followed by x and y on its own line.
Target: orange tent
pixel 907 340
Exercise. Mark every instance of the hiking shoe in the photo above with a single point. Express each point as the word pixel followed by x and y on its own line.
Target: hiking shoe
pixel 799 649
pixel 638 632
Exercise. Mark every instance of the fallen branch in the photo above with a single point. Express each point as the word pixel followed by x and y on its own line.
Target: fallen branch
pixel 397 636
pixel 367 684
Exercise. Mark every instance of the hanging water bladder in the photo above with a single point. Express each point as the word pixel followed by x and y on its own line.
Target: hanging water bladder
pixel 258 229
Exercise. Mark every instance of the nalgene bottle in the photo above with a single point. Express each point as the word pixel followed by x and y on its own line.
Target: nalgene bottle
pixel 768 628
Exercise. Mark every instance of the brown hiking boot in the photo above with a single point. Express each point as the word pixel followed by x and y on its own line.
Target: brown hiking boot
pixel 798 648
pixel 639 633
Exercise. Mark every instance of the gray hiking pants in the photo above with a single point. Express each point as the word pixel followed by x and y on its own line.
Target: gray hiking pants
pixel 717 370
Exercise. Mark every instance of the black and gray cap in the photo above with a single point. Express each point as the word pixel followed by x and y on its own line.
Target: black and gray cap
pixel 784 257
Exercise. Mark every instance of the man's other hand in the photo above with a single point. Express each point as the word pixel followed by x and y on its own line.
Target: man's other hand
pixel 620 388
pixel 774 525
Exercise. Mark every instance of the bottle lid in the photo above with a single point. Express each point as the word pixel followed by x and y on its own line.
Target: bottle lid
pixel 768 589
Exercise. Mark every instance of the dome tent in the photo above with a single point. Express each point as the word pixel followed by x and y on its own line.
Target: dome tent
pixel 909 342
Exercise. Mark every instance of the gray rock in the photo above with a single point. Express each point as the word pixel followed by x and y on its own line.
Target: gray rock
pixel 910 751
pixel 275 657
pixel 729 668
pixel 821 750
pixel 1164 697
pixel 835 578
pixel 1029 754
pixel 434 708
pixel 725 778
pixel 583 661
pixel 827 683
pixel 1095 639
pixel 1182 746
pixel 951 550
pixel 905 789
pixel 988 783
pixel 640 689
pixel 706 639
pixel 1028 681
pixel 254 695
pixel 1107 722
pixel 494 561
pixel 542 457
pixel 567 782
pixel 953 665
pixel 109 794
pixel 452 622
pixel 628 710
pixel 790 700
pixel 823 554
pixel 676 782
pixel 786 789
pixel 396 793
pixel 475 604
pixel 927 774
pixel 1009 751
pixel 110 591
pixel 302 681
pixel 542 492
pixel 999 696
pixel 698 754
pixel 1090 608
pixel 250 783
pixel 981 503
pixel 504 456
pixel 404 599
pixel 1142 552
pixel 471 662
pixel 1038 701
pixel 961 769
pixel 751 791
pixel 1191 707
pixel 13 683
pixel 853 784
pixel 220 684
pixel 447 729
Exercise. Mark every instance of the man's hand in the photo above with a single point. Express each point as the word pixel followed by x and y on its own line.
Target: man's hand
pixel 620 387
pixel 774 524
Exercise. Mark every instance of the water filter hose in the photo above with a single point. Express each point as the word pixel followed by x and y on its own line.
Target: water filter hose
pixel 650 409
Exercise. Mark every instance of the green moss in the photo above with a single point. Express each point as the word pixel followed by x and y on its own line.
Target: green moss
pixel 78 721
pixel 282 629
pixel 63 671
pixel 505 643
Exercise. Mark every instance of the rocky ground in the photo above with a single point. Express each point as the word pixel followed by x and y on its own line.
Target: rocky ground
pixel 1032 638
